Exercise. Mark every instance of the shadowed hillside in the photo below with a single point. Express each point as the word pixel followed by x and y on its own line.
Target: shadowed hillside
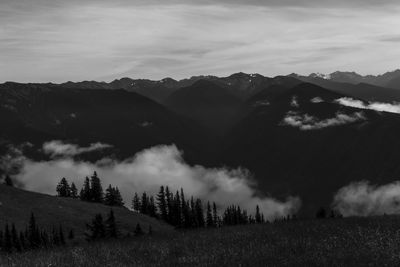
pixel 16 206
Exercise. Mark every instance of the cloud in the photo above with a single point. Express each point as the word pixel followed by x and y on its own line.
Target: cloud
pixel 307 122
pixel 99 39
pixel 161 165
pixel 377 106
pixel 58 148
pixel 316 100
pixel 364 199
pixel 293 102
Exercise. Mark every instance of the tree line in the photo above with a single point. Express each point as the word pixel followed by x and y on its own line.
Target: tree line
pixel 177 210
pixel 33 237
pixel 92 191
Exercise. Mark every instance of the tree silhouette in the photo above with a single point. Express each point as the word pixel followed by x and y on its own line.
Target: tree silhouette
pixel 96 229
pixel 63 189
pixel 111 226
pixel 138 230
pixel 96 190
pixel 136 203
pixel 8 181
pixel 162 205
pixel 73 191
pixel 209 217
pixel 85 192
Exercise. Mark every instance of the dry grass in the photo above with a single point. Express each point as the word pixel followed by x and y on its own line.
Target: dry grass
pixel 337 242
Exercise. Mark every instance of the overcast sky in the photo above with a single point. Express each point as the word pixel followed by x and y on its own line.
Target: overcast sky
pixel 58 40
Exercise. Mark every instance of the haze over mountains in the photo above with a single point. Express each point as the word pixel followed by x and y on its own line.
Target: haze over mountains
pixel 305 136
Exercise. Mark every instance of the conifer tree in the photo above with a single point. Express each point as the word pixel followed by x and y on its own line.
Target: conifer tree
pixel 136 203
pixel 162 205
pixel 96 190
pixel 22 240
pixel 258 215
pixel 209 217
pixel 138 230
pixel 177 214
pixel 96 229
pixel 8 181
pixel 33 233
pixel 15 238
pixel 144 204
pixel 169 200
pixel 199 213
pixel 63 189
pixel 152 209
pixel 85 192
pixel 215 215
pixel 111 226
pixel 73 191
pixel 118 198
pixel 7 239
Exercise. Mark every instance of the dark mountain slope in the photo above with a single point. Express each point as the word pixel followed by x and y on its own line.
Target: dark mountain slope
pixel 314 163
pixel 207 103
pixel 16 206
pixel 126 120
pixel 364 91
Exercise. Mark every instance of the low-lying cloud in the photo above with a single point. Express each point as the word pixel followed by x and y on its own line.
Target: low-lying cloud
pixel 58 148
pixel 150 168
pixel 364 199
pixel 377 106
pixel 307 122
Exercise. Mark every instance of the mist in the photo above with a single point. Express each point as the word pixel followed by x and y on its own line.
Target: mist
pixel 147 171
pixel 307 122
pixel 377 106
pixel 364 199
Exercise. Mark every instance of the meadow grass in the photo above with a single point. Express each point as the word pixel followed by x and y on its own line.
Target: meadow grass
pixel 330 242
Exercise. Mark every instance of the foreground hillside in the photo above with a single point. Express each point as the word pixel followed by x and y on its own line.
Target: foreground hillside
pixel 325 242
pixel 16 206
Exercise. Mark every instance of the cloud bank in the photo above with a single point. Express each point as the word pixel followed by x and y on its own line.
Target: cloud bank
pixel 307 122
pixel 363 199
pixel 58 148
pixel 147 170
pixel 377 106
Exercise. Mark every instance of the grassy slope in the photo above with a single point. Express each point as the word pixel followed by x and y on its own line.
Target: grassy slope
pixel 330 242
pixel 16 206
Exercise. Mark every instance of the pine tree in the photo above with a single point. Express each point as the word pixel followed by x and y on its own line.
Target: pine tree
pixel 199 213
pixel 169 200
pixel 138 230
pixel 96 229
pixel 177 213
pixel 85 192
pixel 22 240
pixel 111 226
pixel 55 240
pixel 8 181
pixel 144 204
pixel 74 191
pixel 109 198
pixel 15 238
pixel 96 190
pixel 118 198
pixel 33 233
pixel 63 189
pixel 209 217
pixel 136 203
pixel 215 215
pixel 7 239
pixel 258 215
pixel 152 209
pixel 162 205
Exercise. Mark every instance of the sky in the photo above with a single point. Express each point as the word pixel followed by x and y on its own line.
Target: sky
pixel 75 40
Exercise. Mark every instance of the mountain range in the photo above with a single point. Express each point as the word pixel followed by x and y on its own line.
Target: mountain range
pixel 298 135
